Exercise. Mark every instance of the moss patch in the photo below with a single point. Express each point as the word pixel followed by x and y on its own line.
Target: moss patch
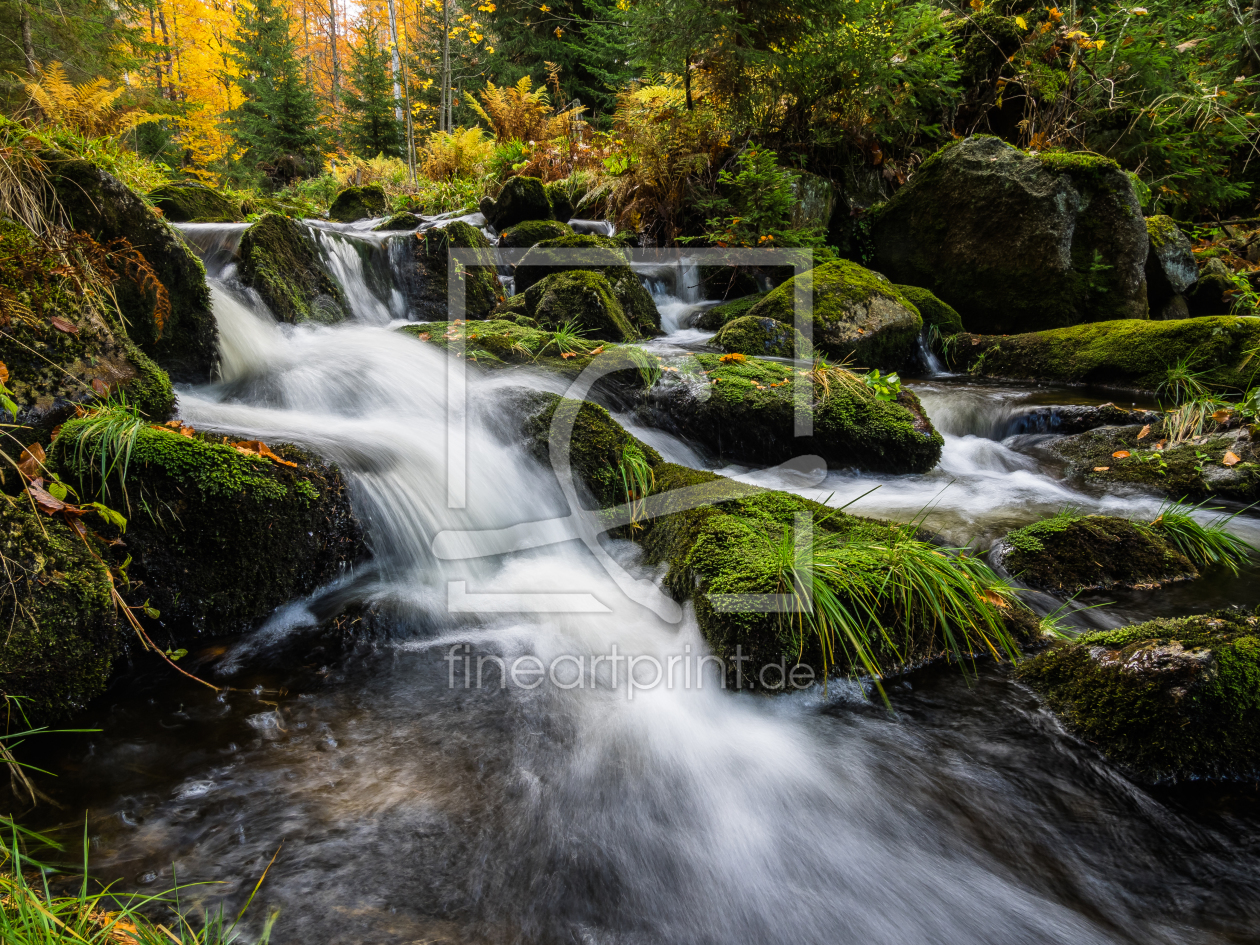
pixel 398 222
pixel 191 202
pixel 934 311
pixel 532 232
pixel 358 203
pixel 602 255
pixel 1170 699
pixel 279 261
pixel 499 343
pixel 762 337
pixel 583 298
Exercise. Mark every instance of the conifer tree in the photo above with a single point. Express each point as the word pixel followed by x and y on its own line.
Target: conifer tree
pixel 371 126
pixel 278 123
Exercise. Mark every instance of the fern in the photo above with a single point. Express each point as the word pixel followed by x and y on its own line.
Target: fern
pixel 516 113
pixel 89 109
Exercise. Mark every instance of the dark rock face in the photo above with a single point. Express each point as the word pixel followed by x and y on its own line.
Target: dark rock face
pixel 182 340
pixel 1076 418
pixel 522 198
pixel 1170 268
pixel 278 261
pixel 428 285
pixel 1016 242
pixel 601 255
pixel 358 203
pixel 1169 700
pixel 1211 294
pixel 191 202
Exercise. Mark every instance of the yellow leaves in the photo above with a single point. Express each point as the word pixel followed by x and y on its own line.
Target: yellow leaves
pixel 88 108
pixel 545 9
pixel 180 428
pixel 734 358
pixel 1231 458
pixel 1055 15
pixel 1021 23
pixel 259 448
pixel 977 5
pixel 558 31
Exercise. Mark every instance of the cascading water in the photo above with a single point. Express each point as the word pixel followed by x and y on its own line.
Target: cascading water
pixel 415 808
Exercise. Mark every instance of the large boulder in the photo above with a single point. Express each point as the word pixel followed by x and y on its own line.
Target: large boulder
pixel 1132 353
pixel 179 333
pixel 1017 242
pixel 1170 268
pixel 358 203
pixel 584 299
pixel 62 347
pixel 232 532
pixel 532 232
pixel 934 312
pixel 399 222
pixel 1169 700
pixel 599 255
pixel 856 314
pixel 711 319
pixel 428 282
pixel 761 337
pixel 194 202
pixel 521 199
pixel 1213 293
pixel 279 261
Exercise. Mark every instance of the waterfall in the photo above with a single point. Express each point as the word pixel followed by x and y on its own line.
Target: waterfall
pixel 361 262
pixel 215 243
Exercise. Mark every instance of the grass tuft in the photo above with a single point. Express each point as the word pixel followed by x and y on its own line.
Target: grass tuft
pixel 1205 545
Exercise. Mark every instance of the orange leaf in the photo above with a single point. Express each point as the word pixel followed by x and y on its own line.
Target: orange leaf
pixel 1222 415
pixel 424 336
pixel 729 358
pixel 259 448
pixel 1145 430
pixel 568 354
pixel 4 373
pixel 62 325
pixel 1101 468
pixel 32 456
pixel 1231 458
pixel 1119 454
pixel 174 424
pixel 598 350
pixel 46 502
pixel 100 386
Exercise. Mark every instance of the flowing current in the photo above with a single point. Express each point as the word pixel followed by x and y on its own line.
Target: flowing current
pixel 410 805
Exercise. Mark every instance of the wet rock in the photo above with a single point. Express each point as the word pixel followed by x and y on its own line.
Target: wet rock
pixel 427 289
pixel 193 202
pixel 762 337
pixel 1077 418
pixel 563 198
pixel 228 536
pixel 583 299
pixel 1170 268
pixel 280 262
pixel 1169 700
pixel 1018 242
pixel 358 203
pixel 933 310
pixel 532 232
pixel 1131 353
pixel 1211 295
pixel 711 319
pixel 521 199
pixel 598 254
pixel 400 221
pixel 1069 553
pixel 183 337
pixel 857 314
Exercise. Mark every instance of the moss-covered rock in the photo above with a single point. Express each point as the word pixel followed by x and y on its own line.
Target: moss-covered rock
pixel 1194 468
pixel 1170 268
pixel 398 222
pixel 183 337
pixel 762 337
pixel 358 203
pixel 61 632
pixel 599 255
pixel 1169 700
pixel 857 314
pixel 521 199
pixel 934 311
pixel 1018 242
pixel 218 537
pixel 428 290
pixel 193 202
pixel 1131 353
pixel 1214 292
pixel 582 298
pixel 561 194
pixel 532 232
pixel 279 261
pixel 744 409
pixel 85 353
pixel 711 319
pixel 1070 553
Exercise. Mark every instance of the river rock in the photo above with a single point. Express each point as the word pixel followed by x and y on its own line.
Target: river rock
pixel 194 202
pixel 1212 294
pixel 1169 700
pixel 532 232
pixel 358 203
pixel 183 337
pixel 599 255
pixel 280 262
pixel 1131 353
pixel 762 337
pixel 401 221
pixel 521 199
pixel 429 280
pixel 856 314
pixel 1075 418
pixel 711 319
pixel 1170 268
pixel 584 299
pixel 933 311
pixel 1067 554
pixel 1018 242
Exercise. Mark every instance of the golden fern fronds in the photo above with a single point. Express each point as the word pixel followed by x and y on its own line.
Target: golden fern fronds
pixel 464 151
pixel 88 108
pixel 516 113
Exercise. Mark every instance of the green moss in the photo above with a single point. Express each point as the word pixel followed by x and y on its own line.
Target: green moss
pixel 1077 163
pixel 1129 353
pixel 711 319
pixel 1071 553
pixel 398 222
pixel 480 285
pixel 498 343
pixel 1169 699
pixel 583 298
pixel 934 311
pixel 1162 230
pixel 762 337
pixel 522 198
pixel 532 232
pixel 61 633
pixel 358 203
pixel 280 263
pixel 192 202
pixel 606 257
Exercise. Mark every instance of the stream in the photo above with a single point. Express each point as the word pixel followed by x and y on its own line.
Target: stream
pixel 406 807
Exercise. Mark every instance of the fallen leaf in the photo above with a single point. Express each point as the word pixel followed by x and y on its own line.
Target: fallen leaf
pixel 186 431
pixel 174 424
pixel 1101 468
pixel 259 448
pixel 62 325
pixel 29 464
pixel 1120 454
pixel 49 504
pixel 598 350
pixel 997 600
pixel 1231 458
pixel 1161 444
pixel 1223 415
pixel 4 373
pixel 100 386
pixel 424 336
pixel 1145 430
pixel 735 357
pixel 568 354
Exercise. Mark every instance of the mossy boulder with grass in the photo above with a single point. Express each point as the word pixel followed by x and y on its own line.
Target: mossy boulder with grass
pixel 1018 242
pixel 532 232
pixel 1169 700
pixel 521 199
pixel 63 346
pixel 856 314
pixel 180 334
pixel 595 254
pixel 1070 553
pixel 194 202
pixel 1132 353
pixel 219 535
pixel 279 261
pixel 62 634
pixel 500 343
pixel 1170 268
pixel 744 410
pixel 399 222
pixel 934 312
pixel 711 319
pixel 429 282
pixel 761 337
pixel 358 203
pixel 583 299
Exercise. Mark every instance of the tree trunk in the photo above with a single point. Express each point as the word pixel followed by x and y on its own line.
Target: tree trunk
pixel 687 84
pixel 166 44
pixel 28 42
pixel 394 63
pixel 336 62
pixel 444 122
pixel 157 57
